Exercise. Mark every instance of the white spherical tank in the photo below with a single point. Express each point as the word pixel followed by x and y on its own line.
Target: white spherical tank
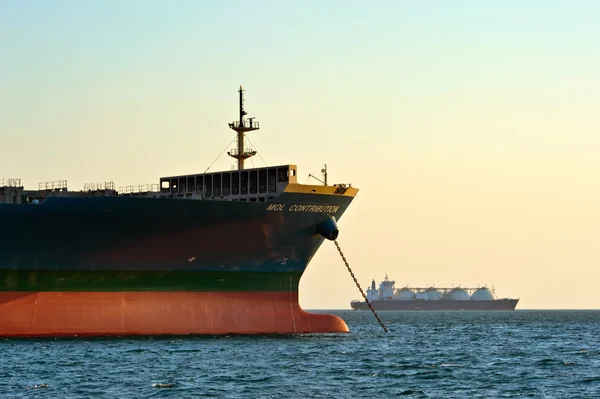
pixel 458 294
pixel 483 294
pixel 404 294
pixel 430 294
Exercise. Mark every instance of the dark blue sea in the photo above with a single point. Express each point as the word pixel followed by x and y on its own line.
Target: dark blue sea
pixel 537 354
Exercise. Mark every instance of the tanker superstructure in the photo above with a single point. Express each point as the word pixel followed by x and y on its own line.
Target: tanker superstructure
pixel 387 297
pixel 204 253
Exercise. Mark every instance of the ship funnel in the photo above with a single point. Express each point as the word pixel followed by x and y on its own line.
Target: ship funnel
pixel 328 229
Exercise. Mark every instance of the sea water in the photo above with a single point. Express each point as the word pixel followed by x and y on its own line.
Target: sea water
pixel 538 354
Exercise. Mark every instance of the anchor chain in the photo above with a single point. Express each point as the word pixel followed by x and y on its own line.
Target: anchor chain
pixel 358 286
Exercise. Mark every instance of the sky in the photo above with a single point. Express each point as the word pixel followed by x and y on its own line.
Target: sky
pixel 471 128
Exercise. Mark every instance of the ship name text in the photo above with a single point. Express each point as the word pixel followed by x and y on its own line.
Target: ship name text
pixel 304 208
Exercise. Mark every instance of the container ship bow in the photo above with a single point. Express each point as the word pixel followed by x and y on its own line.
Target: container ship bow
pixel 207 253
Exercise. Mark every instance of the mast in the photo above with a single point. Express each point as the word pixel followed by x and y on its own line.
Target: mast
pixel 241 127
pixel 324 171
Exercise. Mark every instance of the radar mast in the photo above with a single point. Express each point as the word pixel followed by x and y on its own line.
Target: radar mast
pixel 242 126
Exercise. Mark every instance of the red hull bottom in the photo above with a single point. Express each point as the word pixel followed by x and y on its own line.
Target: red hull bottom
pixel 37 314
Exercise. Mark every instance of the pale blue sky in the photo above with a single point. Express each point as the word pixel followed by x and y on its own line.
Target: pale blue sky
pixel 471 127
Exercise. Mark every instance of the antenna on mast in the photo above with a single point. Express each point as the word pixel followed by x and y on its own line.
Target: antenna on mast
pixel 324 171
pixel 242 126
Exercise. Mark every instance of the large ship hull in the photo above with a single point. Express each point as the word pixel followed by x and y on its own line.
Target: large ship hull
pixel 442 304
pixel 147 266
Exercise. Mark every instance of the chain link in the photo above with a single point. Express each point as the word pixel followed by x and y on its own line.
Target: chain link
pixel 358 286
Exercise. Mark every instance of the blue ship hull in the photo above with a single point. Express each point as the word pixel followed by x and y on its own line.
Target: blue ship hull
pixel 148 266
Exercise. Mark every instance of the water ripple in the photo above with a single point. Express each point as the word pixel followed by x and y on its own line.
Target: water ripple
pixel 518 354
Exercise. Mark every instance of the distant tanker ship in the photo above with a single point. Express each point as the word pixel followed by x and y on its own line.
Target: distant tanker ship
pixel 387 297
